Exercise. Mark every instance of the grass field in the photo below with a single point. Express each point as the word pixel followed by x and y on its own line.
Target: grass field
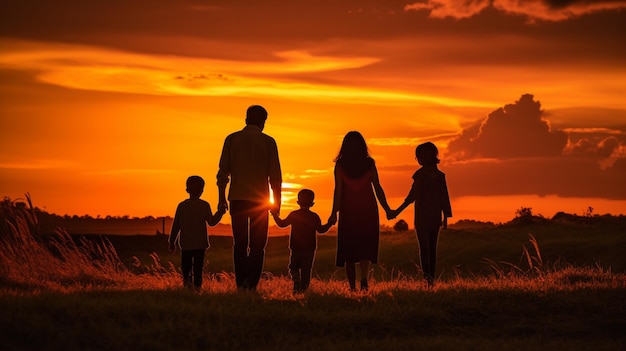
pixel 498 289
pixel 461 252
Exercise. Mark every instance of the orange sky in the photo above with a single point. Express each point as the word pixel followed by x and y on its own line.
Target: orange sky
pixel 107 107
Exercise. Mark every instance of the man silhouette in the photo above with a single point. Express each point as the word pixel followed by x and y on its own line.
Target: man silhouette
pixel 250 162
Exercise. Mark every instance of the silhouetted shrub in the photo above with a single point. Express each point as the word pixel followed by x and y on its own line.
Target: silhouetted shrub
pixel 401 226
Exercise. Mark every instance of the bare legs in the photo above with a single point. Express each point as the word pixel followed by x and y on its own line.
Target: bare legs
pixel 351 274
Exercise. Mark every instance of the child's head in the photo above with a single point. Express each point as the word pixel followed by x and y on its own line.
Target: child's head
pixel 195 185
pixel 426 154
pixel 306 197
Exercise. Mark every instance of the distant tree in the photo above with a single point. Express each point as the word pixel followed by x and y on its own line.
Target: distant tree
pixel 589 212
pixel 524 212
pixel 401 226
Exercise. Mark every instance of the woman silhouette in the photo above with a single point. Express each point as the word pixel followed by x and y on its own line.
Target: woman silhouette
pixel 356 189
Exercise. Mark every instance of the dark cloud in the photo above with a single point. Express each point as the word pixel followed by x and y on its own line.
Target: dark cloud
pixel 515 151
pixel 545 10
pixel 565 177
pixel 514 131
pixel 562 4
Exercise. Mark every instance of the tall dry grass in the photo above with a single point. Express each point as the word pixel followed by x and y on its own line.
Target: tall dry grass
pixel 32 262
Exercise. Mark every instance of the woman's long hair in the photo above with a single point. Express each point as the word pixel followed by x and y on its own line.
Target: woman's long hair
pixel 354 156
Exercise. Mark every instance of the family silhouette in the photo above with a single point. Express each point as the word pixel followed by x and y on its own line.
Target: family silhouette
pixel 249 167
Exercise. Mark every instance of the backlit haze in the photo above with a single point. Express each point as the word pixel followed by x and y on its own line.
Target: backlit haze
pixel 107 107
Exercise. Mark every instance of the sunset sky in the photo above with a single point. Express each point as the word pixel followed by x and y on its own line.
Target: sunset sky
pixel 107 106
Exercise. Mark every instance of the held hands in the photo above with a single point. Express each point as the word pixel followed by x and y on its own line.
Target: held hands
pixel 391 214
pixel 332 219
pixel 275 211
pixel 222 206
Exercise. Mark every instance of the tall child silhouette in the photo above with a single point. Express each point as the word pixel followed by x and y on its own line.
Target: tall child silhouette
pixel 430 195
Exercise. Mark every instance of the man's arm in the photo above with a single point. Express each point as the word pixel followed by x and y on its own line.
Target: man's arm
pixel 223 176
pixel 275 177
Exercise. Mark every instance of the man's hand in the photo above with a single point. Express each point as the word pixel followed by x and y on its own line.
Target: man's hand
pixel 275 210
pixel 333 218
pixel 222 206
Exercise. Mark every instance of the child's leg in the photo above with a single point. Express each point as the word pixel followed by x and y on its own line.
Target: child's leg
pixel 307 267
pixel 185 266
pixel 427 238
pixel 422 239
pixel 198 265
pixel 433 237
pixel 295 267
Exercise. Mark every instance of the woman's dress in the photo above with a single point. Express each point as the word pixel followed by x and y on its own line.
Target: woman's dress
pixel 358 224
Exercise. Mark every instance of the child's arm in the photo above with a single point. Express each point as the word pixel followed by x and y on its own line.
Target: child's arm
pixel 410 198
pixel 281 223
pixel 326 227
pixel 447 209
pixel 404 205
pixel 214 219
pixel 174 233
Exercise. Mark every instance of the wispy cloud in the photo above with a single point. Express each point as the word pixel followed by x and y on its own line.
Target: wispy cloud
pixel 130 171
pixel 37 164
pixel 593 131
pixel 309 173
pixel 97 69
pixel 545 10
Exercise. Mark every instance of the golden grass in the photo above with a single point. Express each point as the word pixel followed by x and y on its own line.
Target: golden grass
pixel 31 263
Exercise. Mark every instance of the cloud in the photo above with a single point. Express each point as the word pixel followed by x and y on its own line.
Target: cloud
pixel 607 150
pixel 450 8
pixel 283 74
pixel 37 164
pixel 513 131
pixel 544 10
pixel 129 171
pixel 514 150
pixel 564 176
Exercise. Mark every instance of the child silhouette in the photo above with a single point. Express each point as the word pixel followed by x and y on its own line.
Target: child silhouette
pixel 430 195
pixel 190 232
pixel 303 239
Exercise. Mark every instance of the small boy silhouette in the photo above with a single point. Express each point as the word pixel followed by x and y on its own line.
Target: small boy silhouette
pixel 303 239
pixel 190 231
pixel 430 195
